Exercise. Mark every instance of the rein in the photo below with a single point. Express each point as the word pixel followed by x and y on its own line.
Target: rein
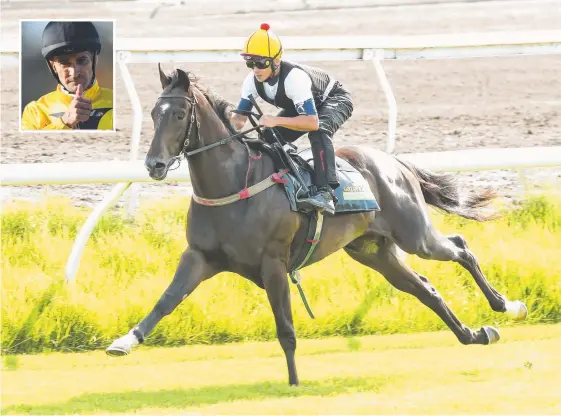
pixel 193 101
pixel 220 143
pixel 245 193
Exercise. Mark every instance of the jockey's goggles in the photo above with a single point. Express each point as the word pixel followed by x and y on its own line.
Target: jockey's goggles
pixel 260 63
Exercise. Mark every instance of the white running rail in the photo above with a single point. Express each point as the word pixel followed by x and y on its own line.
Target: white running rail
pixel 373 49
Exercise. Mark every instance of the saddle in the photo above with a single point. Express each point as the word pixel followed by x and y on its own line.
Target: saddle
pixel 352 195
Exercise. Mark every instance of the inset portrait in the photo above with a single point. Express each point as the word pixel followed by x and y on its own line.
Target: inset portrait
pixel 67 75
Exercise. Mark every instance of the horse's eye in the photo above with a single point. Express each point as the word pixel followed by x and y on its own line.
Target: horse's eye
pixel 181 116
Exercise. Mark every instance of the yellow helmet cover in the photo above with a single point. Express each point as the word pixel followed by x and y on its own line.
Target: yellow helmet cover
pixel 263 42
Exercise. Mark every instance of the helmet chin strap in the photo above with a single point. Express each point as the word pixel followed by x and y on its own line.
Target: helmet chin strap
pixel 93 68
pixel 272 80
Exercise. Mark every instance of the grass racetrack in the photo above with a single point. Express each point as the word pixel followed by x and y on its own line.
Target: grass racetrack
pixel 414 373
pixel 126 267
pixel 367 352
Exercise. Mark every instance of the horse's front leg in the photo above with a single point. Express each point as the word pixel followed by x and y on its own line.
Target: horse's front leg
pixel 277 287
pixel 192 270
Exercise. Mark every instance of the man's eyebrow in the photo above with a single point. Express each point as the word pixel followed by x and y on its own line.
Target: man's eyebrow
pixel 63 58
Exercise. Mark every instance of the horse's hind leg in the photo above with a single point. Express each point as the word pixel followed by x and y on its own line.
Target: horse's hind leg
pixel 454 248
pixel 380 255
pixel 408 224
pixel 192 270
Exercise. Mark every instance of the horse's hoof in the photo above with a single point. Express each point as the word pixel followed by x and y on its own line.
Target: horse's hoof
pixel 492 334
pixel 516 310
pixel 122 346
pixel 117 351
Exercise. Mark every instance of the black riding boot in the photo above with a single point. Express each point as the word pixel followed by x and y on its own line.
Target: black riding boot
pixel 322 200
pixel 325 175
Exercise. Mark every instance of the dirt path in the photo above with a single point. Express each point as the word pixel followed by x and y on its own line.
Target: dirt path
pixel 443 105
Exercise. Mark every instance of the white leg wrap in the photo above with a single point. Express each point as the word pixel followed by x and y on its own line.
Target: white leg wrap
pixel 516 309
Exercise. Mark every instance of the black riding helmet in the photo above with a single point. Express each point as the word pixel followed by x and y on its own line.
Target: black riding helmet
pixel 63 38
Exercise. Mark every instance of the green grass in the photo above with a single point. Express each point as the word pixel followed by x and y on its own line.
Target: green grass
pixel 126 267
pixel 425 373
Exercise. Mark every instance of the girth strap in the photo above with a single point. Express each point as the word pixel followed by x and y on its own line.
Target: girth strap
pixel 312 240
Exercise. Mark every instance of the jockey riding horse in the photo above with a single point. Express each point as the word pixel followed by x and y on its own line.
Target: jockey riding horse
pixel 311 101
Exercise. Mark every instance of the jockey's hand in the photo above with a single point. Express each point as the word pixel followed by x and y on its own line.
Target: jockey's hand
pixel 268 121
pixel 78 110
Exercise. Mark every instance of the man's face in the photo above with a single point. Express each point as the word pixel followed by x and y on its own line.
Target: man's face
pixel 262 74
pixel 74 69
pixel 262 67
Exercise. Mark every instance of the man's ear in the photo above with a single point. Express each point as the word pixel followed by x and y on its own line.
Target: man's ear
pixel 95 58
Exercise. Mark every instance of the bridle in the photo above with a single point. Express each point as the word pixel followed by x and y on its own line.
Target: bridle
pixel 192 102
pixel 247 191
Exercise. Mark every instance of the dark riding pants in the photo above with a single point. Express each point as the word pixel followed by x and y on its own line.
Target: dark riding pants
pixel 332 113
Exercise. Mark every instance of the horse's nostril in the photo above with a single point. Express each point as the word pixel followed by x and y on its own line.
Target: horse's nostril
pixel 159 165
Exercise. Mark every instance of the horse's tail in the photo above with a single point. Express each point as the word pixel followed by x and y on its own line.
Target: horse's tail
pixel 441 191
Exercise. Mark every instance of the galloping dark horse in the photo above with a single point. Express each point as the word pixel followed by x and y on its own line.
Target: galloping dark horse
pixel 258 237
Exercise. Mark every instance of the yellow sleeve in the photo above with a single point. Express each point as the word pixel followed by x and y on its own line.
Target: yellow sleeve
pixel 106 122
pixel 34 119
pixel 56 125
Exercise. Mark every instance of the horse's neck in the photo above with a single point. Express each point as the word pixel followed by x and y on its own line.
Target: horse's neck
pixel 219 171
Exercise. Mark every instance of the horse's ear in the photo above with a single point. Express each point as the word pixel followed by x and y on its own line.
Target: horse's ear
pixel 164 79
pixel 183 78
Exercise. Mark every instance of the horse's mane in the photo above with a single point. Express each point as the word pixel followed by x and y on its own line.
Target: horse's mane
pixel 219 104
